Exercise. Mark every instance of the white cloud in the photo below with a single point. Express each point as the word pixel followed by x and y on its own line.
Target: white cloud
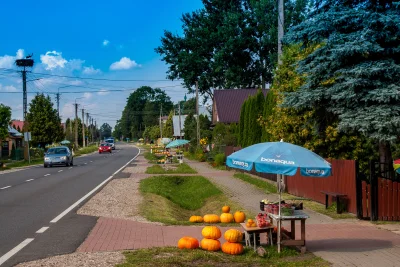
pixel 106 43
pixel 7 61
pixel 52 60
pixel 8 88
pixel 103 92
pixel 124 64
pixel 91 70
pixel 87 95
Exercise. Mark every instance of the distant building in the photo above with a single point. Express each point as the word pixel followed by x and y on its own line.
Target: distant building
pixel 228 102
pixel 14 138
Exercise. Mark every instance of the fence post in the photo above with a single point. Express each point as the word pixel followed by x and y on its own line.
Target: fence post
pixel 359 193
pixel 374 191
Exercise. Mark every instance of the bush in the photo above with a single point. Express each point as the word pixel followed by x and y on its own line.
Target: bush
pixel 200 156
pixel 37 152
pixel 219 159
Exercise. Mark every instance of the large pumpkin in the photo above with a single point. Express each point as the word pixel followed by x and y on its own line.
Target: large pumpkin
pixel 210 244
pixel 188 242
pixel 232 248
pixel 226 218
pixel 196 219
pixel 211 218
pixel 233 236
pixel 239 216
pixel 226 209
pixel 211 232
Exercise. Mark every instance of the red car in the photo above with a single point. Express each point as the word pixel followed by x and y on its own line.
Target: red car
pixel 104 147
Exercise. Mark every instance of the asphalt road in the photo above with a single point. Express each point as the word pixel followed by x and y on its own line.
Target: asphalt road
pixel 37 197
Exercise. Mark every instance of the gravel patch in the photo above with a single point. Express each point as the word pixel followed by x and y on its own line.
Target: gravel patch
pixel 82 259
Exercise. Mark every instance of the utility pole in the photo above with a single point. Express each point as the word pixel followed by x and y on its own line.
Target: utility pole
pixel 91 129
pixel 83 127
pixel 180 136
pixel 95 130
pixel 161 121
pixel 58 103
pixel 197 112
pixel 281 21
pixel 87 125
pixel 76 126
pixel 25 62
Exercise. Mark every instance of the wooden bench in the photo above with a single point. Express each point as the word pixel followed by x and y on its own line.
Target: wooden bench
pixel 337 196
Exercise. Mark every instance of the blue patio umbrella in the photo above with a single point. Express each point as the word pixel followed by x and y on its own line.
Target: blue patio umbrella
pixel 177 142
pixel 279 158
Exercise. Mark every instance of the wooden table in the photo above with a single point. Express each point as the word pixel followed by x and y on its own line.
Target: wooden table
pixel 297 216
pixel 337 196
pixel 256 230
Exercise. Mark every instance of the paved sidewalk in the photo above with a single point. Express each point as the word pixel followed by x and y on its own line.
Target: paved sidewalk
pixel 341 242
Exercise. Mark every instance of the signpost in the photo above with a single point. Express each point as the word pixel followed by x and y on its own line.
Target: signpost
pixel 27 138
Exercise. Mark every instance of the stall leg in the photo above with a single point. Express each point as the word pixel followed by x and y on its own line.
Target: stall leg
pixel 293 230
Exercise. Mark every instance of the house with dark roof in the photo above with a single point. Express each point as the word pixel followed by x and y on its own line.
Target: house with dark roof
pixel 228 102
pixel 14 138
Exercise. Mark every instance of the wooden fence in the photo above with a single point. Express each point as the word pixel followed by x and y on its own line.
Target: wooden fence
pixel 343 180
pixel 388 200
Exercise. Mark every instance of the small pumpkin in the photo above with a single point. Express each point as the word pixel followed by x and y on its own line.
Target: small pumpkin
pixel 210 244
pixel 211 232
pixel 239 216
pixel 232 248
pixel 226 218
pixel 233 236
pixel 188 242
pixel 196 219
pixel 211 218
pixel 226 209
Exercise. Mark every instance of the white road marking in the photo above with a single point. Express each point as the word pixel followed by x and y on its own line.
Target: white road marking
pixel 47 174
pixel 42 230
pixel 62 214
pixel 69 168
pixel 29 180
pixel 91 161
pixel 12 252
pixel 85 163
pixel 6 187
pixel 60 170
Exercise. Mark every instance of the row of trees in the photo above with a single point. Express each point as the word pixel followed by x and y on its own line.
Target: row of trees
pixel 336 91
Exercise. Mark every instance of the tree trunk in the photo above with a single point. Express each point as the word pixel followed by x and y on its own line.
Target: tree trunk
pixel 385 158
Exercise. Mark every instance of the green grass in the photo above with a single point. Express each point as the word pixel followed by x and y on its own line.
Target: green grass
pixel 181 168
pixel 86 150
pixel 150 157
pixel 320 208
pixel 262 184
pixel 173 199
pixel 170 256
pixel 22 163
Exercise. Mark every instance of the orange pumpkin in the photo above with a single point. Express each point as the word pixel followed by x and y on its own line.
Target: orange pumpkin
pixel 196 219
pixel 211 218
pixel 226 218
pixel 188 242
pixel 233 236
pixel 232 248
pixel 226 209
pixel 211 232
pixel 239 216
pixel 210 244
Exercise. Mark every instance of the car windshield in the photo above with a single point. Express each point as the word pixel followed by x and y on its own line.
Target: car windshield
pixel 57 151
pixel 110 141
pixel 104 144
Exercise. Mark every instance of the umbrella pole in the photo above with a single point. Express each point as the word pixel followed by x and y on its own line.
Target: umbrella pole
pixel 279 219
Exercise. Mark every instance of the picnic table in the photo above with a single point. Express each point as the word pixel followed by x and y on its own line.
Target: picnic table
pixel 252 232
pixel 337 196
pixel 298 215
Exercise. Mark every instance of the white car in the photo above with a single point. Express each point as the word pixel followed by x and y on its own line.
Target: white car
pixel 111 142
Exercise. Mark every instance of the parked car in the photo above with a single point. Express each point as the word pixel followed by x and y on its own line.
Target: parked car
pixel 111 142
pixel 105 147
pixel 60 155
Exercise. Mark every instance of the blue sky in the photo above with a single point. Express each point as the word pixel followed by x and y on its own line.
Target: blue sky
pixel 92 39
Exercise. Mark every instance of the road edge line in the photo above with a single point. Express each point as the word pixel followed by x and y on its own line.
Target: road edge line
pixel 62 214
pixel 15 250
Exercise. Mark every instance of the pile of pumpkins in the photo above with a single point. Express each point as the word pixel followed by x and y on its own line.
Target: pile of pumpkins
pixel 210 241
pixel 225 217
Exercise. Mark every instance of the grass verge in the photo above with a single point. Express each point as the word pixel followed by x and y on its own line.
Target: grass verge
pixel 167 169
pixel 320 208
pixel 86 150
pixel 173 199
pixel 169 256
pixel 262 184
pixel 23 163
pixel 150 157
